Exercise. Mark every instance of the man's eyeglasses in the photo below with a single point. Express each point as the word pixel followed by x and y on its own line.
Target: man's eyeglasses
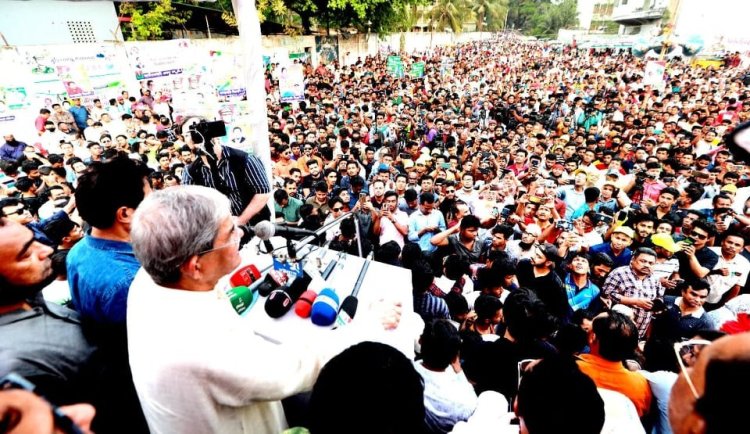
pixel 337 209
pixel 235 242
pixel 687 353
pixel 450 191
pixel 700 236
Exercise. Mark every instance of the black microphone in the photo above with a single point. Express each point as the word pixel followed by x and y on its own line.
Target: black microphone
pixel 281 300
pixel 273 280
pixel 349 306
pixel 265 230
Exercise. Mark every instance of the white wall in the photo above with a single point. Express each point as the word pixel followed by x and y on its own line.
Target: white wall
pixel 42 22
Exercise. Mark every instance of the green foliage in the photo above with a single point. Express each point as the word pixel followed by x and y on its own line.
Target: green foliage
pixel 541 18
pixel 148 19
pixel 449 14
pixel 490 13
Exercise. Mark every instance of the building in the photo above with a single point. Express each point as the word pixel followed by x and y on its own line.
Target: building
pixel 642 17
pixel 58 22
pixel 720 25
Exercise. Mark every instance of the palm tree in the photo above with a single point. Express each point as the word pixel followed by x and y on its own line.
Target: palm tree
pixel 488 11
pixel 449 14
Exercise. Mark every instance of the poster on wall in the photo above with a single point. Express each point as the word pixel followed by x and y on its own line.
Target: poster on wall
pixel 226 67
pixel 175 70
pixel 88 72
pixel 292 83
pixel 327 48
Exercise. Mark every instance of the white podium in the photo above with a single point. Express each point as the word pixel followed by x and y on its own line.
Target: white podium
pixel 381 282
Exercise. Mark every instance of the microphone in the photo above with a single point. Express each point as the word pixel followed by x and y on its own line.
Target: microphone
pixel 349 305
pixel 303 307
pixel 273 280
pixel 281 300
pixel 241 298
pixel 325 307
pixel 246 276
pixel 265 230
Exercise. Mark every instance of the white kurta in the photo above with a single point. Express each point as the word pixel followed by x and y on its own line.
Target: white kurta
pixel 198 367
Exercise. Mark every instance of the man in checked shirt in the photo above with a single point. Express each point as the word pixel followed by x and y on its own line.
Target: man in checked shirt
pixel 635 286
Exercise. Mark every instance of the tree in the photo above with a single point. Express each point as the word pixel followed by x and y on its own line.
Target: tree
pixel 449 14
pixel 148 19
pixel 489 12
pixel 554 17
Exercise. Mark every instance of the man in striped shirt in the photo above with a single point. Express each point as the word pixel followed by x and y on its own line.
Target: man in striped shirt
pixel 239 176
pixel 635 286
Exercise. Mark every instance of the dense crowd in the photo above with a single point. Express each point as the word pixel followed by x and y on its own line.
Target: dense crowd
pixel 548 202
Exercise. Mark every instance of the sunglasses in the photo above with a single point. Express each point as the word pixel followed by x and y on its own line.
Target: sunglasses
pixel 689 350
pixel 700 236
pixel 337 209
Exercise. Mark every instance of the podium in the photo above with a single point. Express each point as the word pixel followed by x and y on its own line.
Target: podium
pixel 381 282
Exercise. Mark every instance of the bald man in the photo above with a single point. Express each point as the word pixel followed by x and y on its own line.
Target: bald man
pixel 720 373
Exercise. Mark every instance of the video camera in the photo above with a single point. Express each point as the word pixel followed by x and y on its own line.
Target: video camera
pixel 205 131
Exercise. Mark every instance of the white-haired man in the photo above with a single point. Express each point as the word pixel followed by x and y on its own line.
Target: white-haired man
pixel 197 365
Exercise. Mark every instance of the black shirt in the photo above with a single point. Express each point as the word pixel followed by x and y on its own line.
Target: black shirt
pixel 706 258
pixel 549 288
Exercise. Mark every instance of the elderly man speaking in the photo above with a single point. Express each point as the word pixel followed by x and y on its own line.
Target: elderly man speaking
pixel 197 365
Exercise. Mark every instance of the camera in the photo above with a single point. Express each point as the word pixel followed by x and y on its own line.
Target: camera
pixel 205 131
pixel 564 225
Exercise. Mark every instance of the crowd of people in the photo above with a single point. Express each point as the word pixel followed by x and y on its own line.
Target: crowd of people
pixel 571 231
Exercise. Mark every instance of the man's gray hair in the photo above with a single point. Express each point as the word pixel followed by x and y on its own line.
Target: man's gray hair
pixel 172 225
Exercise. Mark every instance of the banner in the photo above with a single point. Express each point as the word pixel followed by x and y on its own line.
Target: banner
pixel 395 66
pixel 653 74
pixel 292 83
pixel 417 70
pixel 327 48
pixel 225 70
pixel 88 72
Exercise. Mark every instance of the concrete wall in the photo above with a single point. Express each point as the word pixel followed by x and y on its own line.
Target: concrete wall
pixel 42 22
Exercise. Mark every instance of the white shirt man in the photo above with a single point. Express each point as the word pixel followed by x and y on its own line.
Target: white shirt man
pixel 730 273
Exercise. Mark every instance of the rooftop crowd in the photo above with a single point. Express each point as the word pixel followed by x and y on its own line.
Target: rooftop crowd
pixel 571 232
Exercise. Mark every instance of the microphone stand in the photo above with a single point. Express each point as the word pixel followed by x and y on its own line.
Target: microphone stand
pixel 316 234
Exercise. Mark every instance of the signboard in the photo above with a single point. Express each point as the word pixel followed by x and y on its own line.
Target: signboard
pixel 417 70
pixel 395 66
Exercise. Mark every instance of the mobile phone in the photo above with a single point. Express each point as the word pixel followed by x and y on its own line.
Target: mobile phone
pixel 445 165
pixel 405 156
pixel 62 422
pixel 689 241
pixel 362 197
pixel 495 212
pixel 622 215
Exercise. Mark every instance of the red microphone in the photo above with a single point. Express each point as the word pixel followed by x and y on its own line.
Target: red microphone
pixel 245 276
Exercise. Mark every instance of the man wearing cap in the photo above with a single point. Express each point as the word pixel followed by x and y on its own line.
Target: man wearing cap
pixel 636 286
pixel 618 246
pixel 537 274
pixel 666 265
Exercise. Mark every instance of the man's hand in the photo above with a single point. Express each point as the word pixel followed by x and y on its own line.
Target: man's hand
pixel 644 303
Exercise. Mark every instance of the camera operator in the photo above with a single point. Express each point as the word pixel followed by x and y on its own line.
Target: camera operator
pixel 235 173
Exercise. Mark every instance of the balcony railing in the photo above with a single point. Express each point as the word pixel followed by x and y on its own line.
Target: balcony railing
pixel 638 16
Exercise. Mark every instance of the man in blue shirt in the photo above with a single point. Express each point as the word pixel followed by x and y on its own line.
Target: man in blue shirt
pixel 578 287
pixel 425 223
pixel 101 268
pixel 617 247
pixel 80 114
